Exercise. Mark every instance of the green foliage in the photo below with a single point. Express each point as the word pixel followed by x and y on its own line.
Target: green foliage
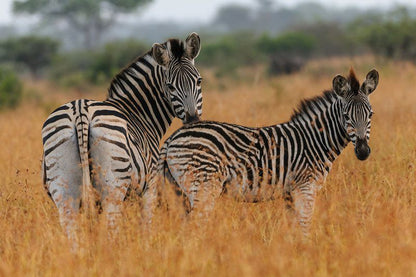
pixel 74 7
pixel 330 39
pixel 229 52
pixel 394 37
pixel 33 52
pixel 232 51
pixel 10 89
pixel 76 69
pixel 89 17
pixel 287 52
pixel 289 43
pixel 113 57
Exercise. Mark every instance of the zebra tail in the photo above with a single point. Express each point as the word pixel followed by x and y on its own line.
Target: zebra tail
pixel 82 129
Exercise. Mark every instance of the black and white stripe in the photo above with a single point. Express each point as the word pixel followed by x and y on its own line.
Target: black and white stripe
pixel 116 141
pixel 206 159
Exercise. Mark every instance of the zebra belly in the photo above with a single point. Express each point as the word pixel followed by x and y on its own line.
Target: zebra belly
pixel 253 189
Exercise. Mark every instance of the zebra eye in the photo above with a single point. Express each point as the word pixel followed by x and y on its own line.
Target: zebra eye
pixel 170 87
pixel 371 114
pixel 199 81
pixel 347 117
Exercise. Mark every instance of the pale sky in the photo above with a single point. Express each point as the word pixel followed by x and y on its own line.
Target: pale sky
pixel 204 10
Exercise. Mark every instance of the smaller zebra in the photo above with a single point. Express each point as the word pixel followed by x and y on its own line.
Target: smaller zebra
pixel 206 159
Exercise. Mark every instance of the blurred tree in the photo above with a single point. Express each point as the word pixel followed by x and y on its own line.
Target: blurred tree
pixel 227 53
pixel 392 36
pixel 83 67
pixel 10 89
pixel 289 43
pixel 90 17
pixel 234 17
pixel 33 52
pixel 114 56
pixel 287 52
pixel 331 39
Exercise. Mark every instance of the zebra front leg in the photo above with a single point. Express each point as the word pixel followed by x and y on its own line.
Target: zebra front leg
pixel 304 201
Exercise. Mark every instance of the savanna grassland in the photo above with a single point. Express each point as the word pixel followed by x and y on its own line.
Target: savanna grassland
pixel 364 221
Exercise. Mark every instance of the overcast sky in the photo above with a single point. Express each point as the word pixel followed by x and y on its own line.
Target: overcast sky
pixel 204 10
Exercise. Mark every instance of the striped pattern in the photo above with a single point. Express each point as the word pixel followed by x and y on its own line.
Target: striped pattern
pixel 206 159
pixel 116 141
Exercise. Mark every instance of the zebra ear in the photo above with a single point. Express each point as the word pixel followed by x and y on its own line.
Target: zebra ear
pixel 192 45
pixel 370 83
pixel 160 54
pixel 341 86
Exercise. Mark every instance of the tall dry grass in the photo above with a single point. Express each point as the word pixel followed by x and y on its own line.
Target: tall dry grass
pixel 364 221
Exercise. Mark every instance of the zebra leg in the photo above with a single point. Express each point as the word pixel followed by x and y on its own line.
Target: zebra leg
pixel 304 202
pixel 150 197
pixel 112 172
pixel 203 193
pixel 201 188
pixel 63 180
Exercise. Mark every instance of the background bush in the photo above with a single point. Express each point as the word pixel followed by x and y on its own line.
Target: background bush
pixel 74 69
pixel 32 52
pixel 10 89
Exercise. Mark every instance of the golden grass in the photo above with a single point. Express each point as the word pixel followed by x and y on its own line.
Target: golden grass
pixel 364 221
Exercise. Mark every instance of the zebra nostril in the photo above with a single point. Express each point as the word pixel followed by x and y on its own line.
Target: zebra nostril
pixel 191 118
pixel 362 150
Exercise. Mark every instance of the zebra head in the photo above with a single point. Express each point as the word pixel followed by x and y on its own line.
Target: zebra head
pixel 356 109
pixel 182 85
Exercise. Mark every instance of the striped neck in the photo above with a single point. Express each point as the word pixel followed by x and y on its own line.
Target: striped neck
pixel 322 119
pixel 138 91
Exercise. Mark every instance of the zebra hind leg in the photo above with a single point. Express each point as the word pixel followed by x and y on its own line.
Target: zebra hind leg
pixel 63 179
pixel 112 177
pixel 203 192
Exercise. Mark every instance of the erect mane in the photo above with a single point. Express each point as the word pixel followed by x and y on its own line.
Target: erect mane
pixel 306 105
pixel 177 48
pixel 354 83
pixel 121 73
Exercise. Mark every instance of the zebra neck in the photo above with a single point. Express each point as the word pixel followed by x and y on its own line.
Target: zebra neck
pixel 326 129
pixel 334 134
pixel 138 91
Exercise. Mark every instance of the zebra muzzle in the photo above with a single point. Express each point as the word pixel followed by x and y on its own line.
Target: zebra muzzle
pixel 362 150
pixel 191 118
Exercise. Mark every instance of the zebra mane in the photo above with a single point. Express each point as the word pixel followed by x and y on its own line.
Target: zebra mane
pixel 306 105
pixel 121 74
pixel 354 83
pixel 177 50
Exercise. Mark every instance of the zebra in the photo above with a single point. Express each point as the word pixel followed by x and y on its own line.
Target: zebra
pixel 103 150
pixel 292 159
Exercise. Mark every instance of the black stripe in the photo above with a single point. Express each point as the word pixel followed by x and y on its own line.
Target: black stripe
pixel 55 146
pixel 57 129
pixel 55 118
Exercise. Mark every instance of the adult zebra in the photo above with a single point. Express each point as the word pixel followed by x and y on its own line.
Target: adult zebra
pixel 206 159
pixel 116 141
